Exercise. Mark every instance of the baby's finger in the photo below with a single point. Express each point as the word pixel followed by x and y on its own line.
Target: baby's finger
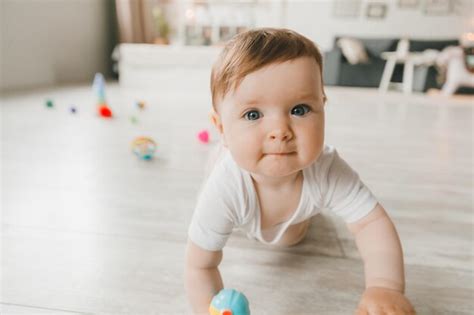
pixel 361 311
pixel 391 311
pixel 403 311
pixel 376 310
pixel 409 311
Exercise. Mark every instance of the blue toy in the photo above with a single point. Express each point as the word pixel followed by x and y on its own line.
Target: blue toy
pixel 229 302
pixel 99 88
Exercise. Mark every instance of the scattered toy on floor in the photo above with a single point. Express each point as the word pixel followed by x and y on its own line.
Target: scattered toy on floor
pixel 229 302
pixel 49 103
pixel 141 105
pixel 144 147
pixel 73 109
pixel 133 120
pixel 99 88
pixel 105 112
pixel 203 136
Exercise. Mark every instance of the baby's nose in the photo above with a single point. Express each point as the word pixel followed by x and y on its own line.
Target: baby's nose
pixel 281 134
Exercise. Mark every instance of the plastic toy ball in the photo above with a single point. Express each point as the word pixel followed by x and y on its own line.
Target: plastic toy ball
pixel 203 136
pixel 144 147
pixel 49 103
pixel 105 111
pixel 73 110
pixel 229 302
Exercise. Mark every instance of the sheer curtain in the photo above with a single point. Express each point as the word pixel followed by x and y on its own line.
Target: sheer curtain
pixel 135 22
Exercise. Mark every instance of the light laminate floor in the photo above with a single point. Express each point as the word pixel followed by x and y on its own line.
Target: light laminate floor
pixel 87 228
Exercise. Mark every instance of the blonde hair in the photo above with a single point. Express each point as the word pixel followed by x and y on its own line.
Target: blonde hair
pixel 254 49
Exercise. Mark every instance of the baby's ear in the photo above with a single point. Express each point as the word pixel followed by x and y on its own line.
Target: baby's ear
pixel 217 122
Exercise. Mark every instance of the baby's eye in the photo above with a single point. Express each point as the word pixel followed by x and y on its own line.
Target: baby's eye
pixel 252 115
pixel 300 110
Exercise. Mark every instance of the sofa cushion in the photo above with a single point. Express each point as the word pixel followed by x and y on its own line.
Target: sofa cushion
pixel 353 50
pixel 377 46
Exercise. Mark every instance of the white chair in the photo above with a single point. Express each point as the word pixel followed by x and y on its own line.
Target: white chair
pixel 409 59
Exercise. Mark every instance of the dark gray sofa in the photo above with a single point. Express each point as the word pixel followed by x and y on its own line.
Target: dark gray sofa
pixel 338 71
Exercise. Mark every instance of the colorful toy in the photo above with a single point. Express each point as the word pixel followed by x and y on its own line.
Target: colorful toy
pixel 144 147
pixel 141 104
pixel 99 88
pixel 49 103
pixel 229 302
pixel 105 112
pixel 133 120
pixel 203 136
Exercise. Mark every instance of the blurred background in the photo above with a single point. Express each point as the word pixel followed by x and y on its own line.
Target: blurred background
pixel 72 40
pixel 105 139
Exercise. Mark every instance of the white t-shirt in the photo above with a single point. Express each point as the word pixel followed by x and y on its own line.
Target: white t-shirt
pixel 228 200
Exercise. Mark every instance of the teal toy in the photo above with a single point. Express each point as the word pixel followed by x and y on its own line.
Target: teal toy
pixel 99 88
pixel 229 302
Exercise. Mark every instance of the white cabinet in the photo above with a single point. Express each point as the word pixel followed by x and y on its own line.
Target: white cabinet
pixel 152 66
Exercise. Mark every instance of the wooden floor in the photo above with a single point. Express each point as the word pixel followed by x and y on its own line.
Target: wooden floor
pixel 87 228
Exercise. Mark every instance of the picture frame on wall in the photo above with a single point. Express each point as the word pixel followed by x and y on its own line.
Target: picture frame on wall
pixel 438 7
pixel 347 8
pixel 457 7
pixel 408 4
pixel 376 10
pixel 226 33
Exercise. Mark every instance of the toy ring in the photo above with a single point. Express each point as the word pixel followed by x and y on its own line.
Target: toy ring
pixel 144 147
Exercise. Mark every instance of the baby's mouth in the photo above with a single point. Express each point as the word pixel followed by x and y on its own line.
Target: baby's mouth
pixel 281 153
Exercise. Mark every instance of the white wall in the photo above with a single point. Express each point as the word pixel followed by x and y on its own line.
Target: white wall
pixel 52 42
pixel 314 18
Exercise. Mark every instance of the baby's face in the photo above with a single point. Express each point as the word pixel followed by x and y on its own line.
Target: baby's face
pixel 273 122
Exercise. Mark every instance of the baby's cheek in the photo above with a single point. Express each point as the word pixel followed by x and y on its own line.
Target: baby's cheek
pixel 311 149
pixel 244 150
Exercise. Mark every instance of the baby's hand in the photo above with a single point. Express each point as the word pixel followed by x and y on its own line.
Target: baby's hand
pixel 381 301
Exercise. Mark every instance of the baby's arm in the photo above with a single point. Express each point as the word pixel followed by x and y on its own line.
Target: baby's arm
pixel 380 248
pixel 202 277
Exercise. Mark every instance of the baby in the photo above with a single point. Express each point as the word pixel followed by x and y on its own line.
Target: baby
pixel 276 173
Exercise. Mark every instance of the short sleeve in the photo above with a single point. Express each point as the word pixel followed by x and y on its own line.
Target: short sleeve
pixel 345 194
pixel 213 219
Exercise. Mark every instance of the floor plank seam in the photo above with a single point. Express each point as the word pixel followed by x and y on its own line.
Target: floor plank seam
pixel 122 236
pixel 45 308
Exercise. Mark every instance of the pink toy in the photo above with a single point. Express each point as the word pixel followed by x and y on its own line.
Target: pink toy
pixel 203 136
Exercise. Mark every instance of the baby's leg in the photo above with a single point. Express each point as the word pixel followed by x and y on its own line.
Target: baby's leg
pixel 295 234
